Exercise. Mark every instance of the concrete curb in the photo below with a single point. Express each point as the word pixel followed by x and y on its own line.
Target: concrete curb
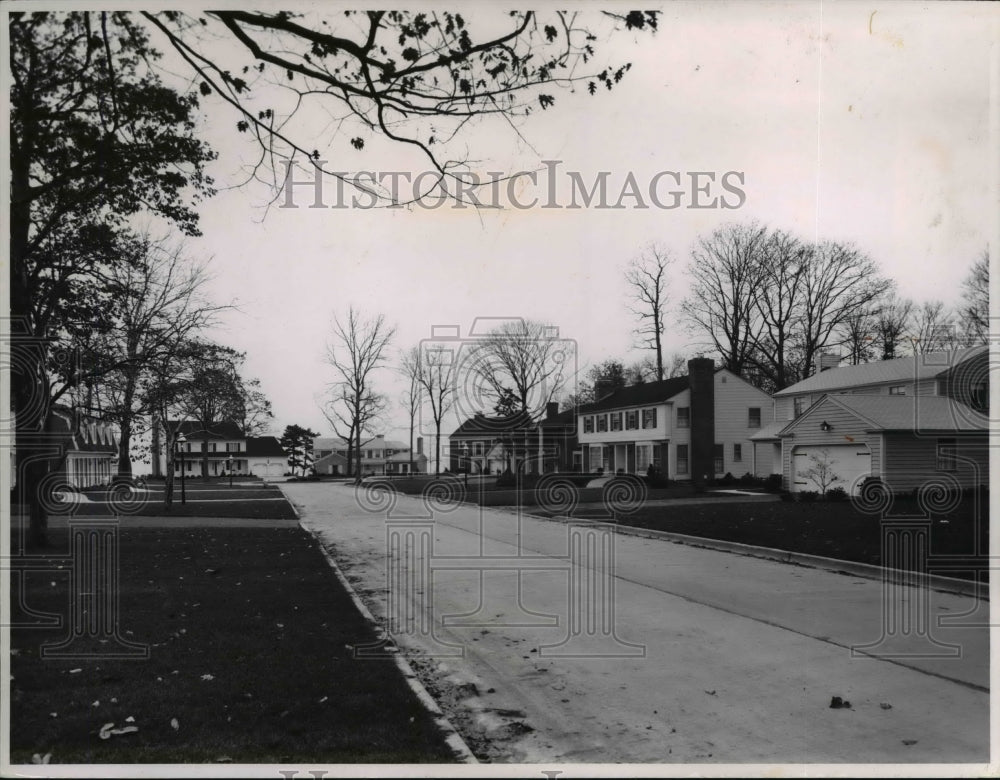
pixel 290 502
pixel 869 571
pixel 452 738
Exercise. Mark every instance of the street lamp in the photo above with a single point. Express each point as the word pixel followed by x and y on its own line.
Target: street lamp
pixel 180 441
pixel 229 468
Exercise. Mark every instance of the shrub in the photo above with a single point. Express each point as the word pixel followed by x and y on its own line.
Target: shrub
pixel 726 480
pixel 507 479
pixel 772 483
pixel 836 494
pixel 807 496
pixel 655 477
pixel 787 497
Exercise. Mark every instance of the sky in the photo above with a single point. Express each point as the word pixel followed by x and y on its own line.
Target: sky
pixel 860 123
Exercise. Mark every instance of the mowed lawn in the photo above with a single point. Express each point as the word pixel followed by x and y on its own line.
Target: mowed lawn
pixel 831 529
pixel 251 644
pixel 213 499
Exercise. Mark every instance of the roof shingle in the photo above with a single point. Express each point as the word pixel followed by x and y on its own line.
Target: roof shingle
pixel 908 369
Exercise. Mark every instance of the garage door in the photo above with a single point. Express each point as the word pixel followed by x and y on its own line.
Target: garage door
pixel 849 462
pixel 268 469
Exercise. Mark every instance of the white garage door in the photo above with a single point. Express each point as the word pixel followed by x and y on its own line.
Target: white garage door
pixel 812 465
pixel 268 469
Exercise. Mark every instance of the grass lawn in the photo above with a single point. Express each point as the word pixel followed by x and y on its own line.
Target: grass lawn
pixel 203 500
pixel 834 530
pixel 250 638
pixel 486 492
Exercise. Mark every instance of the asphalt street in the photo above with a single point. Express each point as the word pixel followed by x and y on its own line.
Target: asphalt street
pixel 548 641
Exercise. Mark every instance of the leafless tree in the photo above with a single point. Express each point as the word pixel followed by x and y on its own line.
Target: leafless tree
pixel 821 472
pixel 778 299
pixel 355 352
pixel 168 387
pixel 933 328
pixel 648 281
pixel 725 270
pixel 528 359
pixel 154 302
pixel 839 281
pixel 860 336
pixel 409 367
pixel 976 300
pixel 892 325
pixel 437 377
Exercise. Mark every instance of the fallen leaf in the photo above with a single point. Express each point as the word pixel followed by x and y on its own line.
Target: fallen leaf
pixel 174 724
pixel 130 719
pixel 208 677
pixel 75 671
pixel 885 705
pixel 37 759
pixel 95 703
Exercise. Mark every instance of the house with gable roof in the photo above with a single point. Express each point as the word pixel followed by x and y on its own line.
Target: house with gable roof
pixel 222 449
pixel 89 446
pixel 379 455
pixel 696 427
pixel 907 421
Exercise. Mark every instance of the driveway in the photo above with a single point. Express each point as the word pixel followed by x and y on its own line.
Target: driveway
pixel 548 642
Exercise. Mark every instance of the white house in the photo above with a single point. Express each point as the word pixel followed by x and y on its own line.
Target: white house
pixel 694 427
pixel 907 421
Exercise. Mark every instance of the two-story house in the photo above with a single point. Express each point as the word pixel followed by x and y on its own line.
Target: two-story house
pixel 220 450
pixel 907 421
pixel 490 445
pixel 378 456
pixel 695 427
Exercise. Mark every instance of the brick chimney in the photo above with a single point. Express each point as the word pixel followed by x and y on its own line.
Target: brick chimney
pixel 551 409
pixel 420 445
pixel 602 388
pixel 701 379
pixel 827 361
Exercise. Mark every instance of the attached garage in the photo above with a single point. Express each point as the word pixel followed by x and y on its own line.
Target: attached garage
pixel 264 470
pixel 851 463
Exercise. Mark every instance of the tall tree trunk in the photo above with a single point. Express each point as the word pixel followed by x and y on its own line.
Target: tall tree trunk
pixel 125 425
pixel 357 455
pixel 168 477
pixel 659 347
pixel 437 448
pixel 204 456
pixel 28 353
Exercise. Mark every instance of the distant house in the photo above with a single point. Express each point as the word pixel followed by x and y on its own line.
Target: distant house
pixel 331 463
pixel 378 456
pixel 487 445
pixel 905 421
pixel 90 447
pixel 695 427
pixel 225 449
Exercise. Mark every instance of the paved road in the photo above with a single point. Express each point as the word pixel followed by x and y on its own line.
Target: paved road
pixel 714 657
